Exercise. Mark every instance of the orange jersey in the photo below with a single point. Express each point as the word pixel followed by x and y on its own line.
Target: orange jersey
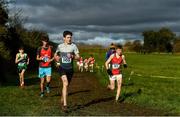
pixel 46 55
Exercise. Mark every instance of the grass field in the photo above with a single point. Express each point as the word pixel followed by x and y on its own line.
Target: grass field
pixel 154 84
pixel 27 102
pixel 156 76
pixel 162 90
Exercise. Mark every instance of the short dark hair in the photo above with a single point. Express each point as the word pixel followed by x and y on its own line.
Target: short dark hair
pixel 45 38
pixel 119 46
pixel 65 33
pixel 21 48
pixel 112 46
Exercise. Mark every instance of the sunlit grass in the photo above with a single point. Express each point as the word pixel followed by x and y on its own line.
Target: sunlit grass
pixel 144 88
pixel 157 76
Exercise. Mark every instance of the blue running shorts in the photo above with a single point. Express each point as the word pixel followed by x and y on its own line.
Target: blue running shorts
pixel 44 71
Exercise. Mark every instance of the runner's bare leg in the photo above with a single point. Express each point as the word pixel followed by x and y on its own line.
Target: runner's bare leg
pixel 119 82
pixel 64 89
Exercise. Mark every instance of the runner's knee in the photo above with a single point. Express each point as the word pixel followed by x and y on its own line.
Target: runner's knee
pixel 48 79
pixel 112 87
pixel 64 80
pixel 65 83
pixel 22 73
pixel 42 81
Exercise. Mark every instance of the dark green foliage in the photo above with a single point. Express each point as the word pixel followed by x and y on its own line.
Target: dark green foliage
pixel 137 46
pixel 160 41
pixel 176 45
pixel 12 36
pixel 3 13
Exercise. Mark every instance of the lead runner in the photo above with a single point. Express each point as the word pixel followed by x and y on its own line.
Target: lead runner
pixel 67 51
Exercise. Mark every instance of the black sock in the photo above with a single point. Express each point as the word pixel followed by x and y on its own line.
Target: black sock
pixel 48 83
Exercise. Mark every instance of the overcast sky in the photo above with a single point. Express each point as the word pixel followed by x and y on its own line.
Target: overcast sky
pixel 100 21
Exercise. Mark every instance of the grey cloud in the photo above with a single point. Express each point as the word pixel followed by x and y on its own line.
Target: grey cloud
pixel 91 17
pixel 83 12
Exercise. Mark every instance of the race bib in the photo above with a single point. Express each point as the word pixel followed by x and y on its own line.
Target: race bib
pixel 21 64
pixel 65 59
pixel 115 66
pixel 46 58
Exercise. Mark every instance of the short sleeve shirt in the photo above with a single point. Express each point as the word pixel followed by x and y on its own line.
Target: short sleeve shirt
pixel 65 51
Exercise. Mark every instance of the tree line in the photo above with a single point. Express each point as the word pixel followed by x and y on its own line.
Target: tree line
pixel 12 36
pixel 163 40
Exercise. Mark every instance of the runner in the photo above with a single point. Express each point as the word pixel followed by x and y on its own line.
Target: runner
pixel 116 60
pixel 86 64
pixel 68 52
pixel 81 64
pixel 77 63
pixel 108 54
pixel 57 60
pixel 91 61
pixel 110 51
pixel 45 57
pixel 22 60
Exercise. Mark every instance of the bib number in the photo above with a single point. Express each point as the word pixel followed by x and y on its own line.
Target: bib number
pixel 66 60
pixel 46 58
pixel 115 66
pixel 21 64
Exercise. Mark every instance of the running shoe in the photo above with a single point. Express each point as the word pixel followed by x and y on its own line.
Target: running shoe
pixel 42 94
pixel 48 89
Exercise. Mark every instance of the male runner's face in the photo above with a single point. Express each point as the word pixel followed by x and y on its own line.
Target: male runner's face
pixel 21 51
pixel 119 51
pixel 44 43
pixel 68 39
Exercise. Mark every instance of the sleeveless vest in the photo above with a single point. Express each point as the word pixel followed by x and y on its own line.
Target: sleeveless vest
pixel 46 55
pixel 115 64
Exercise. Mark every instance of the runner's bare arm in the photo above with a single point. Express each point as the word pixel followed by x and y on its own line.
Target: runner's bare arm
pixel 52 54
pixel 124 60
pixel 108 61
pixel 16 60
pixel 28 60
pixel 77 57
pixel 38 58
pixel 50 60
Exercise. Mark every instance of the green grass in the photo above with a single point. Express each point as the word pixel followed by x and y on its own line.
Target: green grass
pixel 16 101
pixel 156 75
pixel 157 65
pixel 155 92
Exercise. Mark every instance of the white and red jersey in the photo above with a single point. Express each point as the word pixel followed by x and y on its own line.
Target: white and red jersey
pixel 91 60
pixel 80 60
pixel 86 61
pixel 115 63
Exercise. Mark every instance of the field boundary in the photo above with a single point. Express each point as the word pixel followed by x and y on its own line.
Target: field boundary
pixel 163 77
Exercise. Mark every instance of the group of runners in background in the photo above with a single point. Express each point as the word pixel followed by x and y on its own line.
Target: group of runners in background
pixel 64 56
pixel 86 64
